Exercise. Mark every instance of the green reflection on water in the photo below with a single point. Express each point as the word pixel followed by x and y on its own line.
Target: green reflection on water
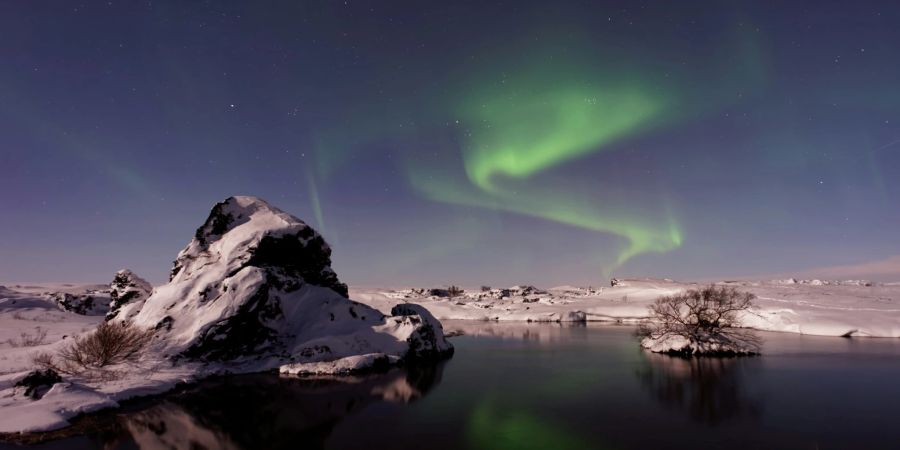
pixel 493 429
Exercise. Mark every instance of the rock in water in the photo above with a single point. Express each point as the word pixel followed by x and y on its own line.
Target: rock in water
pixel 427 339
pixel 125 288
pixel 254 289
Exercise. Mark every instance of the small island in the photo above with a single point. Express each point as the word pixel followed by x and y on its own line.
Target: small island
pixel 700 322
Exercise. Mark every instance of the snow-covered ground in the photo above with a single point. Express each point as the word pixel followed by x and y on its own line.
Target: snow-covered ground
pixel 31 322
pixel 814 307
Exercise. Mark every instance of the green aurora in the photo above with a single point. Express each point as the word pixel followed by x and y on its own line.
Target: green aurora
pixel 519 121
pixel 535 124
pixel 489 428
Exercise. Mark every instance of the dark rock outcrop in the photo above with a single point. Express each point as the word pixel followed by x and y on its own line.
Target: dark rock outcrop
pixel 125 288
pixel 38 382
pixel 93 304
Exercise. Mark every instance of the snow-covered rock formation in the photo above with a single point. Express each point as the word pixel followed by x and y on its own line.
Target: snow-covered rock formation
pixel 89 304
pixel 254 289
pixel 126 287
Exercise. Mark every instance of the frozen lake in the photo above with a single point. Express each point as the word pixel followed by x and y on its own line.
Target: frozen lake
pixel 513 386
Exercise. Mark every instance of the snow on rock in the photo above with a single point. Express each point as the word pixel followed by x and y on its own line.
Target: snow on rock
pixel 258 235
pixel 255 289
pixel 89 304
pixel 426 336
pixel 126 287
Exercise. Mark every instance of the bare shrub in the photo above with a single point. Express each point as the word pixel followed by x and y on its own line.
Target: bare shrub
pixel 28 339
pixel 703 316
pixel 44 360
pixel 109 344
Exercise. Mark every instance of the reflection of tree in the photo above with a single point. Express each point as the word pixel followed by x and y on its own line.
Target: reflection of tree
pixel 265 411
pixel 708 388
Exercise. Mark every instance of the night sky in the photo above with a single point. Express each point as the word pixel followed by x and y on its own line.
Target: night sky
pixel 456 142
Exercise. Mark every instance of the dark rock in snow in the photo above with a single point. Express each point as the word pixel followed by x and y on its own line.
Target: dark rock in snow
pixel 94 304
pixel 38 382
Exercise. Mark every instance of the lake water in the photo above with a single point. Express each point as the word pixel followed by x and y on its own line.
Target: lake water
pixel 545 386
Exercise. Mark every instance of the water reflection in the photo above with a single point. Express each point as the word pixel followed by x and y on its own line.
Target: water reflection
pixel 491 428
pixel 544 332
pixel 710 390
pixel 264 411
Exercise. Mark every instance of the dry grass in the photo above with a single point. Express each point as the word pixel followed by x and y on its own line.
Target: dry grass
pixel 28 339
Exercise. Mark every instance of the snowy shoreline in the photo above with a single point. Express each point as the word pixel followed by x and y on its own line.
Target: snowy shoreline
pixel 810 307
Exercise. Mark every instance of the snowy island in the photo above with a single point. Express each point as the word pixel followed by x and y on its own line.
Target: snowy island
pixel 254 291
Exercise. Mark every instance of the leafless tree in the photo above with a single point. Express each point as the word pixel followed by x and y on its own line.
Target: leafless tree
pixel 706 315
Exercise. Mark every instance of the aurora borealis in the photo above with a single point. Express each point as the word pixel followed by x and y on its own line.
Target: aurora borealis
pixel 469 143
pixel 527 128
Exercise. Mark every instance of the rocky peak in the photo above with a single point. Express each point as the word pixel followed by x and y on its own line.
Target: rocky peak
pixel 254 289
pixel 247 231
pixel 126 287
